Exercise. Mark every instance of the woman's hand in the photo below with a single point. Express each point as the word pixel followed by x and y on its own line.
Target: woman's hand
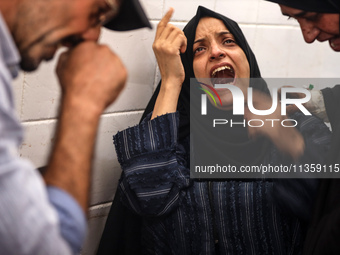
pixel 169 42
pixel 287 139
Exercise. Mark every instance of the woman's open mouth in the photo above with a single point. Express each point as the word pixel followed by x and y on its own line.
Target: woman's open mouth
pixel 222 74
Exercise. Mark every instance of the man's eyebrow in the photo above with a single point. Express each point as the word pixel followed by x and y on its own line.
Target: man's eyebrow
pixel 296 15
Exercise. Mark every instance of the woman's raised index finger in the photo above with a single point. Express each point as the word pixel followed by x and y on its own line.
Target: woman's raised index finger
pixel 164 21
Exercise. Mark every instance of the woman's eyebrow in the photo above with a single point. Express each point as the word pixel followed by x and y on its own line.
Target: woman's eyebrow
pixel 218 34
pixel 199 40
pixel 223 33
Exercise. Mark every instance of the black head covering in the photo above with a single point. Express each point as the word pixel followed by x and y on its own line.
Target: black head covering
pixel 322 6
pixel 131 16
pixel 183 107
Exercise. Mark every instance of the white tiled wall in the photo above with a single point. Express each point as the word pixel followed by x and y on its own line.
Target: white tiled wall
pixel 276 42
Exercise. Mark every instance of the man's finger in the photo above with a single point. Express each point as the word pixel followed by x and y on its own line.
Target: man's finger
pixel 164 21
pixel 61 61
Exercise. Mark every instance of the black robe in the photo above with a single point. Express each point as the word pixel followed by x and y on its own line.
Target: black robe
pixel 323 236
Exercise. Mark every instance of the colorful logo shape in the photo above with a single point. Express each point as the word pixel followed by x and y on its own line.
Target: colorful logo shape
pixel 209 93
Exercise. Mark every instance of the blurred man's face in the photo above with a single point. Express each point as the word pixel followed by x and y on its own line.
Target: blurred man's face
pixel 41 26
pixel 319 26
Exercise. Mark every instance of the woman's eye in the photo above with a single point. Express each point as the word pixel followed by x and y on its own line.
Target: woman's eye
pixel 228 41
pixel 199 49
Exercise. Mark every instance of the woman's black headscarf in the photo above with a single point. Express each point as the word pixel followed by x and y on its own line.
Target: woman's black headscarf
pixel 183 107
pixel 322 6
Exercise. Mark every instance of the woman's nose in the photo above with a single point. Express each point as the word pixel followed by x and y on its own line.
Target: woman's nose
pixel 309 31
pixel 216 52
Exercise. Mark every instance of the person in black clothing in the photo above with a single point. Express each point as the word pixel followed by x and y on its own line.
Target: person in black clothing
pixel 319 20
pixel 243 216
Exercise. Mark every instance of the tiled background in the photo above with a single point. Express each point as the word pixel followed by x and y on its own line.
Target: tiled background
pixel 276 42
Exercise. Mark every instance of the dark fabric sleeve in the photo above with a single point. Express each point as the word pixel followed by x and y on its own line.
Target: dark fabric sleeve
pixel 297 196
pixel 324 232
pixel 332 103
pixel 155 166
pixel 317 137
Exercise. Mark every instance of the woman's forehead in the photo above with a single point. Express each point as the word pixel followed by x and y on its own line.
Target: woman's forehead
pixel 209 25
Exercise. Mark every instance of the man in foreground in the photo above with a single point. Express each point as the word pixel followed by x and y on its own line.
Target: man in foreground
pixel 49 218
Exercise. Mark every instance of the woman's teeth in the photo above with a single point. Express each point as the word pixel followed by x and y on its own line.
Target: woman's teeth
pixel 222 68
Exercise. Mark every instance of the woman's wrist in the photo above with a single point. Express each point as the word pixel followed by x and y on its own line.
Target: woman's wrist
pixel 167 99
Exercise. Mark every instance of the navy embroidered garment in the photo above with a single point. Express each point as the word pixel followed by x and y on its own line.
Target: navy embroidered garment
pixel 186 216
